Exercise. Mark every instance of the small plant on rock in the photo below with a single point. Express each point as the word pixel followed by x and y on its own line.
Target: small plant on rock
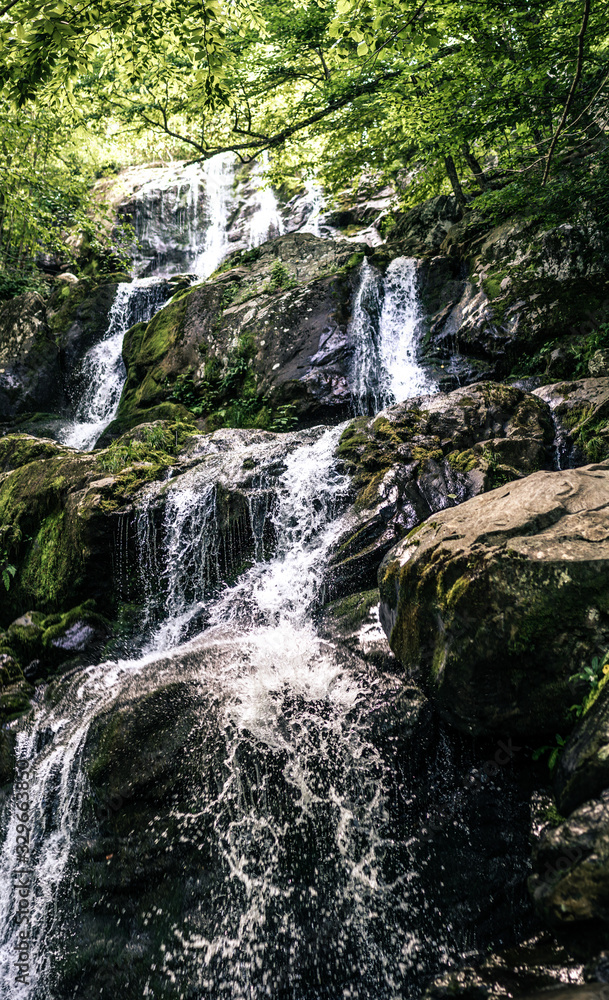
pixel 554 751
pixel 596 676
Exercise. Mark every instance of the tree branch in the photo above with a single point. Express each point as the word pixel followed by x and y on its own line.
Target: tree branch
pixel 576 79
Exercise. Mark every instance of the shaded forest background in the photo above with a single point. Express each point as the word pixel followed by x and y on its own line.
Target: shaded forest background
pixel 502 103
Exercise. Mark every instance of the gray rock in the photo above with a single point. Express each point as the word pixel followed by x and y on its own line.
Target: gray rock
pixel 571 867
pixel 599 364
pixel 422 230
pixel 583 768
pixel 580 411
pixel 30 374
pixel 268 330
pixel 528 286
pixel 428 454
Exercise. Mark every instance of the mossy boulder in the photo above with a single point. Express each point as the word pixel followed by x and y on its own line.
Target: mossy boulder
pixel 58 515
pixel 263 343
pixel 498 602
pixel 428 454
pixel 30 371
pixel 77 315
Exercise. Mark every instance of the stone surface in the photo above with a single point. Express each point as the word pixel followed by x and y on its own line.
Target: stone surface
pixel 30 374
pixel 60 510
pixel 504 292
pixel 353 623
pixel 422 230
pixel 540 963
pixel 268 331
pixel 583 767
pixel 501 600
pixel 571 866
pixel 580 411
pixel 428 454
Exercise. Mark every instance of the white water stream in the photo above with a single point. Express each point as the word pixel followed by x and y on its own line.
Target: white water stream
pixel 386 330
pixel 102 370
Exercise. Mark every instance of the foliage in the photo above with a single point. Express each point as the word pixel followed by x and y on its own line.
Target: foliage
pixel 554 751
pixel 281 279
pixel 7 571
pixel 595 676
pixel 284 419
pixel 46 205
pixel 344 86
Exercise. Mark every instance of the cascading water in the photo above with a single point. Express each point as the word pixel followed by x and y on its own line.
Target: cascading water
pixel 316 889
pixel 266 222
pixel 102 371
pixel 218 177
pixel 386 330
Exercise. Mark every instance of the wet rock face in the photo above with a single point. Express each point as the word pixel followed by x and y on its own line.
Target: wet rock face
pixel 428 454
pixel 580 411
pixel 500 601
pixel 583 768
pixel 30 375
pixel 65 517
pixel 539 963
pixel 269 331
pixel 571 866
pixel 494 294
pixel 78 316
pixel 422 231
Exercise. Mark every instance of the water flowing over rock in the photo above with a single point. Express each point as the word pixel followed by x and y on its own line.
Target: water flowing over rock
pixel 102 371
pixel 234 789
pixel 500 601
pixel 580 411
pixel 188 217
pixel 386 330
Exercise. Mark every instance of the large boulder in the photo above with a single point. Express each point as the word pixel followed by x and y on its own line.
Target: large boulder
pixel 30 373
pixel 500 601
pixel 422 230
pixel 428 454
pixel 268 331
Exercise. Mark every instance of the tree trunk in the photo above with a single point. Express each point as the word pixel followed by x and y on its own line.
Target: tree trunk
pixel 453 177
pixel 474 166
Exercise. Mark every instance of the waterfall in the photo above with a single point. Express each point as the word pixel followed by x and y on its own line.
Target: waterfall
pixel 102 371
pixel 386 330
pixel 49 753
pixel 316 200
pixel 218 176
pixel 266 222
pixel 317 889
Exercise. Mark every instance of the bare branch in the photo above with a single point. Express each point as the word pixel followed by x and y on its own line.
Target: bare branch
pixel 576 79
